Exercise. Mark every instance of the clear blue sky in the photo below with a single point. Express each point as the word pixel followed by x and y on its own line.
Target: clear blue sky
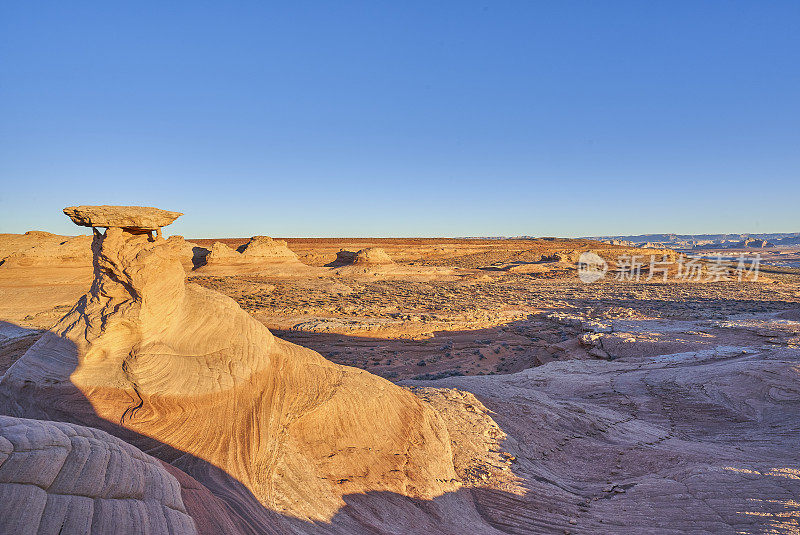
pixel 404 118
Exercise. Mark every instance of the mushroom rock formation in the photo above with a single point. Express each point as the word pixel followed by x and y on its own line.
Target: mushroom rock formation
pixel 63 478
pixel 183 373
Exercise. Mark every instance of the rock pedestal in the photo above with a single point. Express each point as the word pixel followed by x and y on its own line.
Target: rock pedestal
pixel 183 373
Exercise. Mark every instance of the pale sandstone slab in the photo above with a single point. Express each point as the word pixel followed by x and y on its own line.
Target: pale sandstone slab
pixel 126 217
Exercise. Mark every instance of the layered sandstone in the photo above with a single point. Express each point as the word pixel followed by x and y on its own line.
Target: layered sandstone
pixel 50 250
pixel 371 256
pixel 62 478
pixel 260 255
pixel 185 374
pixel 131 218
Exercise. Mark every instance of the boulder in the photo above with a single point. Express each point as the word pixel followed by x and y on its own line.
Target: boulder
pixel 130 218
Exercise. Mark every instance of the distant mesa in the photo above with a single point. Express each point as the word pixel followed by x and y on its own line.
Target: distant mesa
pixel 39 234
pixel 753 242
pixel 134 219
pixel 705 241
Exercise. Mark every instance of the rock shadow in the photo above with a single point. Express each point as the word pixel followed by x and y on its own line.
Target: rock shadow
pixel 219 503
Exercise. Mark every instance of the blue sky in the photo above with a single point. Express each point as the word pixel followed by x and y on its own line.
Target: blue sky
pixel 404 118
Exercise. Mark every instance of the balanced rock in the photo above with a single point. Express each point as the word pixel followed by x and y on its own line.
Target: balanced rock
pixel 137 219
pixel 183 373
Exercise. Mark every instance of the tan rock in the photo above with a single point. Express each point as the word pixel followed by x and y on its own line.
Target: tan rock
pixel 45 251
pixel 220 252
pixel 132 218
pixel 372 256
pixel 174 367
pixel 63 478
pixel 261 248
pixel 261 255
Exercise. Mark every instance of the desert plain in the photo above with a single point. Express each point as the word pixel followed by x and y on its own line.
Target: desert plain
pixel 162 384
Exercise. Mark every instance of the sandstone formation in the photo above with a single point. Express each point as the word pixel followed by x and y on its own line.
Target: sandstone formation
pixel 51 251
pixel 220 253
pixel 134 219
pixel 694 442
pixel 185 374
pixel 613 407
pixel 375 263
pixel 63 478
pixel 261 248
pixel 260 255
pixel 372 256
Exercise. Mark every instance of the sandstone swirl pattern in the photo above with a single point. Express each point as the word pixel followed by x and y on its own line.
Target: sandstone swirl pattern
pixel 186 375
pixel 64 478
